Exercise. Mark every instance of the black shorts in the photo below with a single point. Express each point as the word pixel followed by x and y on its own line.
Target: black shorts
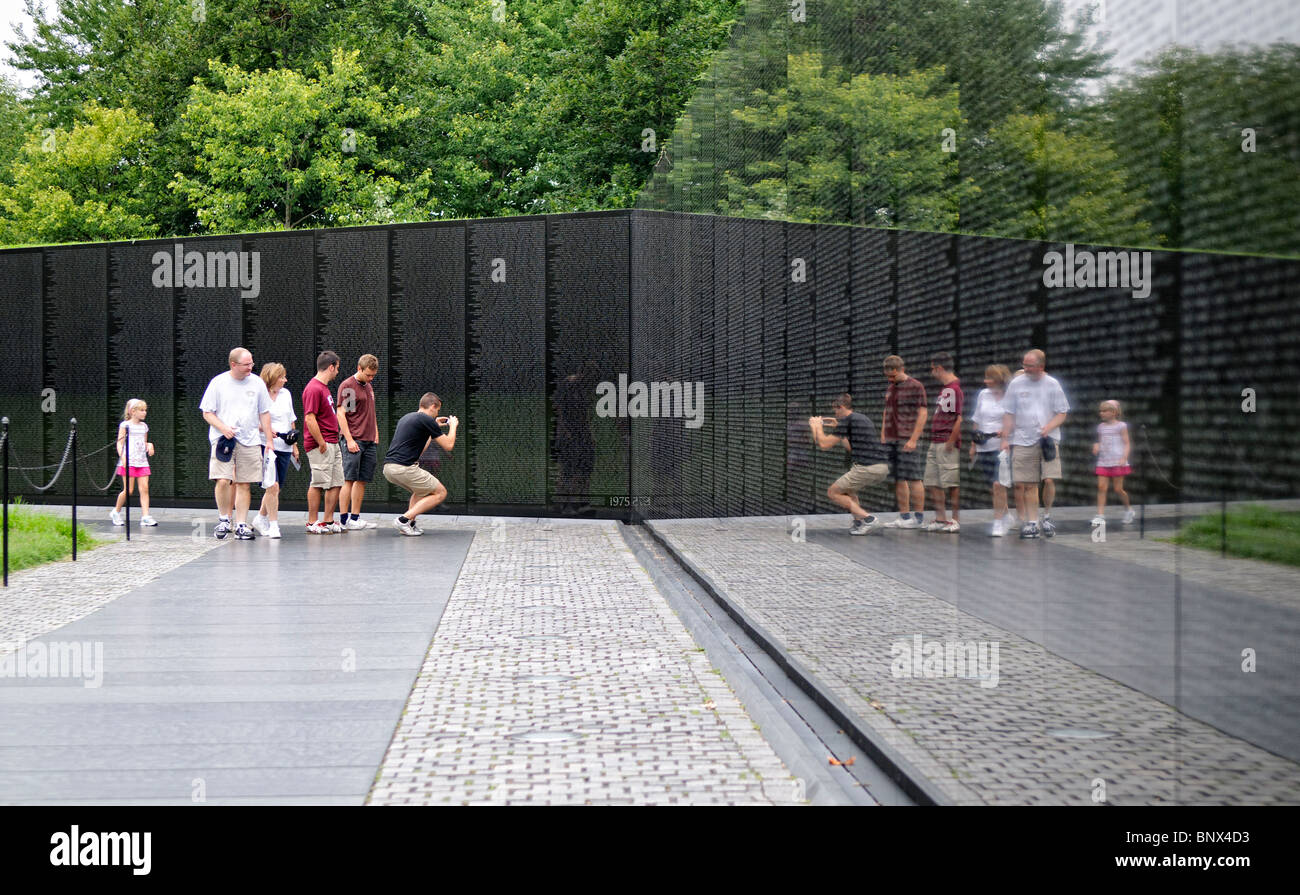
pixel 359 467
pixel 906 466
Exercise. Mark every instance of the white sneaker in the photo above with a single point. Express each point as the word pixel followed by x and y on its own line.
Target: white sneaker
pixel 952 527
pixel 1009 519
pixel 317 528
pixel 1129 516
pixel 116 517
pixel 406 528
pixel 910 522
pixel 1098 519
pixel 355 525
pixel 261 523
pixel 272 531
pixel 999 528
pixel 335 528
pixel 148 521
pixel 936 525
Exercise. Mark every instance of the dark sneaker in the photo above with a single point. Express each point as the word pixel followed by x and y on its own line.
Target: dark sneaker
pixel 1029 530
pixel 244 532
pixel 222 529
pixel 1049 530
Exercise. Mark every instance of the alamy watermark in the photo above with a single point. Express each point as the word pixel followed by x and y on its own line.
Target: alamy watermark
pixel 208 270
pixel 636 399
pixel 55 659
pixel 970 659
pixel 1103 270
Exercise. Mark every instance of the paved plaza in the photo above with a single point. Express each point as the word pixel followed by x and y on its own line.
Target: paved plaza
pixel 535 661
pixel 1082 703
pixel 546 666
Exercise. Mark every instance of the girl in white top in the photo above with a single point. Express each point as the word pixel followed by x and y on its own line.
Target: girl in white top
pixel 282 422
pixel 1112 449
pixel 136 467
pixel 986 451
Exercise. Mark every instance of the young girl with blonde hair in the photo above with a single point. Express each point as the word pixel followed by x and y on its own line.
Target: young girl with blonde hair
pixel 136 467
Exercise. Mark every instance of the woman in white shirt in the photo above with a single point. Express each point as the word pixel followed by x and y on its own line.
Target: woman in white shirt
pixel 985 445
pixel 282 423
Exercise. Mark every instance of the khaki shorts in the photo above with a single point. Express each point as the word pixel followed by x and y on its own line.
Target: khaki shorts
pixel 942 466
pixel 1028 466
pixel 414 479
pixel 244 465
pixel 861 476
pixel 326 468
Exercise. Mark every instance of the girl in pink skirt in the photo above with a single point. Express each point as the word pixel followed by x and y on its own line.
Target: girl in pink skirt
pixel 136 468
pixel 1111 449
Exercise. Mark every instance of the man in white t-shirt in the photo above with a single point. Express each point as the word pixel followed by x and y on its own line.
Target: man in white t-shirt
pixel 1036 407
pixel 236 406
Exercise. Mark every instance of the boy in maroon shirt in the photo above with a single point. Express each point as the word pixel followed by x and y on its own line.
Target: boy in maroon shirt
pixel 359 430
pixel 900 430
pixel 320 441
pixel 943 460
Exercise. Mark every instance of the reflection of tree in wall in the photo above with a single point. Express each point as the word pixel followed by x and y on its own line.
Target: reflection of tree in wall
pixel 851 132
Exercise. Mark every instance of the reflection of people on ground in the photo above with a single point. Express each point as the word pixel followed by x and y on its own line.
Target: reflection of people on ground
pixel 985 450
pixel 1036 407
pixel 900 430
pixel 574 445
pixel 856 434
pixel 1112 449
pixel 943 459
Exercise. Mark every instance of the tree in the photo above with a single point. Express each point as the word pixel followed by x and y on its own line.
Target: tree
pixel 275 150
pixel 861 149
pixel 79 184
pixel 1044 183
pixel 1212 143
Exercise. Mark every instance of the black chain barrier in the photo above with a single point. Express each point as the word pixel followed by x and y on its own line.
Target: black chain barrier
pixel 69 454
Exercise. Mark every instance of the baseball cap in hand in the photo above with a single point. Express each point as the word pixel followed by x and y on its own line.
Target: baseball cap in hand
pixel 225 448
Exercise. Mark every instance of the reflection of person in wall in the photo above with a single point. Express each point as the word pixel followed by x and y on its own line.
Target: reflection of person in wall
pixel 798 457
pixel 574 445
pixel 856 434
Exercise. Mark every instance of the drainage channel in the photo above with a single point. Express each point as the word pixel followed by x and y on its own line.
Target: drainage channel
pixel 801 733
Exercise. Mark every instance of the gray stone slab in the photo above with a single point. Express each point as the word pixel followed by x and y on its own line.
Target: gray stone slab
pixel 230 670
pixel 1140 625
pixel 53 732
pixel 288 754
pixel 163 783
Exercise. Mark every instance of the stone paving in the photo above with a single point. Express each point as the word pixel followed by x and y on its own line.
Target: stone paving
pixel 41 599
pixel 978 743
pixel 559 675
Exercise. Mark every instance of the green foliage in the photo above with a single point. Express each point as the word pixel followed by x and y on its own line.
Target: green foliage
pixel 1177 126
pixel 36 538
pixel 1046 184
pixel 275 150
pixel 869 143
pixel 1254 532
pixel 81 183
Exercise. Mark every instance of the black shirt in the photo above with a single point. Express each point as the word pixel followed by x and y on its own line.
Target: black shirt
pixel 413 430
pixel 863 439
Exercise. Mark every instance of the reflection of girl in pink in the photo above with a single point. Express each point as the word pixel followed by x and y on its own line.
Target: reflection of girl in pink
pixel 136 467
pixel 1111 449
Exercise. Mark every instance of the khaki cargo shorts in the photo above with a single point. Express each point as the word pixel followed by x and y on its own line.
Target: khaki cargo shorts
pixel 326 468
pixel 942 466
pixel 1028 466
pixel 244 465
pixel 414 479
pixel 861 476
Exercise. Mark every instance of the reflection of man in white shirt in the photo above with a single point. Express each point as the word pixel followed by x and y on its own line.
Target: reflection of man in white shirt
pixel 1035 406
